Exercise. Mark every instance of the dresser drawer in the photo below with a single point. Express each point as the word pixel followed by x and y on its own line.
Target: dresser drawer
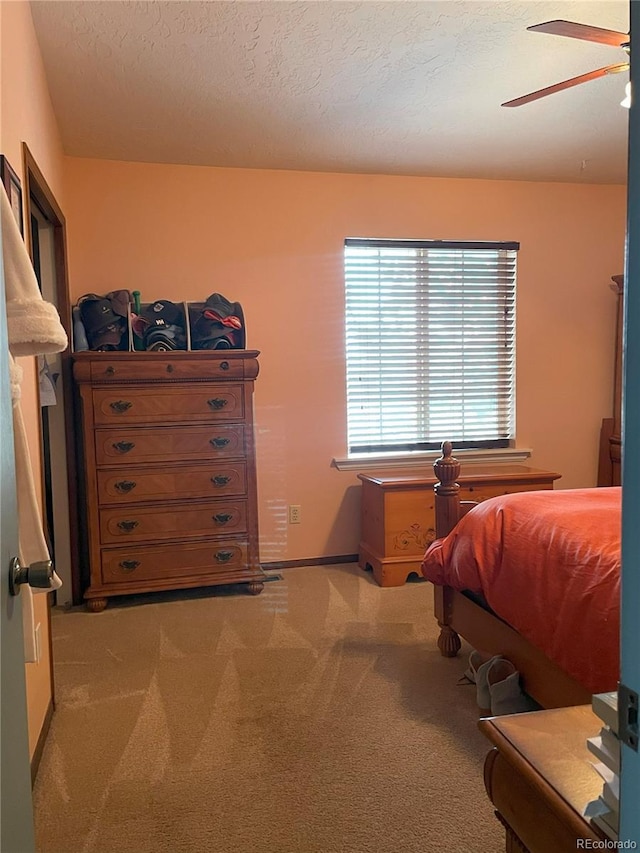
pixel 171 482
pixel 141 524
pixel 179 444
pixel 157 562
pixel 163 404
pixel 174 368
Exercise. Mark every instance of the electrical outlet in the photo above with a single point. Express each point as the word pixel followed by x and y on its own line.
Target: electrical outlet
pixel 295 514
pixel 37 642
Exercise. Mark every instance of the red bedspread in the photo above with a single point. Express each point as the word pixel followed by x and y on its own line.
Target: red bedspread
pixel 548 563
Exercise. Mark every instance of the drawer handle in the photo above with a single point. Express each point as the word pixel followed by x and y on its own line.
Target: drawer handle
pixel 123 446
pixel 223 556
pixel 220 480
pixel 222 517
pixel 224 365
pixel 110 371
pixel 120 406
pixel 219 441
pixel 127 526
pixel 217 403
pixel 124 486
pixel 129 565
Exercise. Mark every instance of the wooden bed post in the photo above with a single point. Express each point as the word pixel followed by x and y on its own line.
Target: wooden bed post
pixel 447 471
pixel 447 500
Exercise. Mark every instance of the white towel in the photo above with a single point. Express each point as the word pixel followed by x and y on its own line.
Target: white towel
pixel 34 328
pixel 34 325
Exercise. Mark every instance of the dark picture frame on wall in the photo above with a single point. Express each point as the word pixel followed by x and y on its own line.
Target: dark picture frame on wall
pixel 11 183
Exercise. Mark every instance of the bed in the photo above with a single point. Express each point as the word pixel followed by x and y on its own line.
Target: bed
pixel 533 576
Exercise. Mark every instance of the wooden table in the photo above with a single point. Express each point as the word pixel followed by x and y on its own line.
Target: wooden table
pixel 398 515
pixel 539 776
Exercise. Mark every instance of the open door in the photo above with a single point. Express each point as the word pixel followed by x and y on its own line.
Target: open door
pixel 16 813
pixel 630 653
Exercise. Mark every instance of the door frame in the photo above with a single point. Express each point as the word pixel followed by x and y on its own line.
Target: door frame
pixel 35 185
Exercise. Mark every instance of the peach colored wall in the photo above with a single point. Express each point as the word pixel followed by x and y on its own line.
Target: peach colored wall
pixel 26 115
pixel 274 241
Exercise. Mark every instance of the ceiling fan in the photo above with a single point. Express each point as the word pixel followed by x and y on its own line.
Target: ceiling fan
pixel 586 33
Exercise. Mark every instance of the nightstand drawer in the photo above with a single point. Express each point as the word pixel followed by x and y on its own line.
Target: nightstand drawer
pixel 483 493
pixel 141 524
pixel 163 404
pixel 179 444
pixel 148 563
pixel 171 482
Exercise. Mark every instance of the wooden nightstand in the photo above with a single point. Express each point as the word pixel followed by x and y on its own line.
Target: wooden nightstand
pixel 540 778
pixel 398 516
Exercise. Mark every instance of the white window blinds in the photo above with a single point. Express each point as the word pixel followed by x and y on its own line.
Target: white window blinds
pixel 430 337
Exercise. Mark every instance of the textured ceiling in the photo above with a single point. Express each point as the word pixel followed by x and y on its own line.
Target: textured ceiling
pixel 399 87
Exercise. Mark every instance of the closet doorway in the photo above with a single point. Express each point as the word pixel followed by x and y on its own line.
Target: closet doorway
pixel 46 242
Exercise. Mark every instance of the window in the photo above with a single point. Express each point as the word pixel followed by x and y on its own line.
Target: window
pixel 430 337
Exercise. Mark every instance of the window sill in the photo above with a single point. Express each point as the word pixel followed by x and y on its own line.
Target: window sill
pixel 371 462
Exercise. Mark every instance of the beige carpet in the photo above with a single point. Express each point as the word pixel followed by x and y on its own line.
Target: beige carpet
pixel 317 717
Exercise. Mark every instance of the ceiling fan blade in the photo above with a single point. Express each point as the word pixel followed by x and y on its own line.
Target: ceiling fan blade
pixel 567 84
pixel 581 31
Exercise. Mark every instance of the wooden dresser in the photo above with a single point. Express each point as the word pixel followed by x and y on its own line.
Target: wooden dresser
pixel 398 512
pixel 610 458
pixel 540 778
pixel 169 471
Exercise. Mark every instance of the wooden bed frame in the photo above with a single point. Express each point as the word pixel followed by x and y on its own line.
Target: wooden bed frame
pixel 459 616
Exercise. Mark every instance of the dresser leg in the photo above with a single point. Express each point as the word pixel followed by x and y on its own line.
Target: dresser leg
pixel 96 605
pixel 255 588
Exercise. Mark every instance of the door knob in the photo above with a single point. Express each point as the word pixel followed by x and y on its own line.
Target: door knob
pixel 38 575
